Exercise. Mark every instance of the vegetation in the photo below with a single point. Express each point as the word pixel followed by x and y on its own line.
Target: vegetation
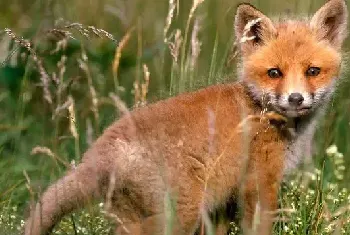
pixel 62 83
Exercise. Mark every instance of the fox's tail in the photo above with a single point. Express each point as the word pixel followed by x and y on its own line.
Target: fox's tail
pixel 74 190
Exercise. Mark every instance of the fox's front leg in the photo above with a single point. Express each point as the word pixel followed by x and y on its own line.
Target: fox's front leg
pixel 259 206
pixel 262 177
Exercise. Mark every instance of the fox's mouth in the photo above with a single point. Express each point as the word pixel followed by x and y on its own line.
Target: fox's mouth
pixel 294 111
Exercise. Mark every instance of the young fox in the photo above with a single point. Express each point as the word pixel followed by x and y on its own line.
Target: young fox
pixel 199 152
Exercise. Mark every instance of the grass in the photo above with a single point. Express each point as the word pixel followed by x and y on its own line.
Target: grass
pixel 63 83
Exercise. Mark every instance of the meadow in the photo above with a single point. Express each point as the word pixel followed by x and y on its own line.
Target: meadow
pixel 69 68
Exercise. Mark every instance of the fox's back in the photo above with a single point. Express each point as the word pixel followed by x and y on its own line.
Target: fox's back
pixel 200 120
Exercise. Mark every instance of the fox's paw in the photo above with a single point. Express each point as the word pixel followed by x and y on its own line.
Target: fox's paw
pixel 275 118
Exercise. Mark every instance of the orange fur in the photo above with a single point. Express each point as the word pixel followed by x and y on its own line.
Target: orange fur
pixel 200 153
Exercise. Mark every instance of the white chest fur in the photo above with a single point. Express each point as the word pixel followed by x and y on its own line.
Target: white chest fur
pixel 300 146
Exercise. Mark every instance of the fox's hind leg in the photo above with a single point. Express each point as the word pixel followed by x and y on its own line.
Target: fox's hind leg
pixel 181 222
pixel 222 228
pixel 157 225
pixel 148 226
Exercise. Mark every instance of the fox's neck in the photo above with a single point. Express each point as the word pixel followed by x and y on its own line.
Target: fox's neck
pixel 299 146
pixel 300 125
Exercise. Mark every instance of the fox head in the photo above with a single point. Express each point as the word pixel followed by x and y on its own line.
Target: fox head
pixel 291 66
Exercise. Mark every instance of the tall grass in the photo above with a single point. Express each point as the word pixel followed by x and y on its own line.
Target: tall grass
pixel 63 83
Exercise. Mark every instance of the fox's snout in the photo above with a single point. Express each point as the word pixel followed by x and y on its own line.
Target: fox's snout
pixel 295 99
pixel 293 104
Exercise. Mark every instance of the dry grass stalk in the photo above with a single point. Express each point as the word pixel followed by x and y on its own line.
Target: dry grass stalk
pixel 118 51
pixel 28 185
pixel 89 132
pixel 341 211
pixel 256 217
pixel 195 44
pixel 169 18
pixel 61 45
pixel 117 56
pixel 117 219
pixel 21 41
pixel 195 5
pixel 137 93
pixel 108 205
pixel 45 80
pixel 206 223
pixel 61 36
pixel 110 191
pixel 233 54
pixel 145 85
pixel 46 151
pixel 265 103
pixel 44 77
pixel 119 104
pixel 83 64
pixel 175 46
pixel 73 127
pixel 86 31
pixel 72 118
pixel 59 108
pixel 211 130
pixel 141 90
pixel 42 150
pixel 61 65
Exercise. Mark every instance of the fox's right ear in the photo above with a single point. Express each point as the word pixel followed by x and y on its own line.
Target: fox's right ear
pixel 252 28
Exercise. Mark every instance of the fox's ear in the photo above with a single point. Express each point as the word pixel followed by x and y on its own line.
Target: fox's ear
pixel 252 28
pixel 330 22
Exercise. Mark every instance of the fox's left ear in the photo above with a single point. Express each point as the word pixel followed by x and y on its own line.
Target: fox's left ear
pixel 330 22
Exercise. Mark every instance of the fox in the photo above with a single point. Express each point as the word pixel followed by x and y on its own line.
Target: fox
pixel 218 153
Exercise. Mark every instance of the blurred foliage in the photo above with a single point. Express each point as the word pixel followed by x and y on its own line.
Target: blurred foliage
pixel 85 63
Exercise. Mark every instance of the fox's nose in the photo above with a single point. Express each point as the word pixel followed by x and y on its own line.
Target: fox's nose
pixel 295 99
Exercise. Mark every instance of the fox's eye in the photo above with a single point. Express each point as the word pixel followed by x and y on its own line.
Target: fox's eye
pixel 274 73
pixel 313 71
